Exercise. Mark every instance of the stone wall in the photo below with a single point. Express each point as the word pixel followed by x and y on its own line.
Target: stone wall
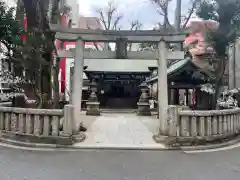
pixel 50 126
pixel 188 127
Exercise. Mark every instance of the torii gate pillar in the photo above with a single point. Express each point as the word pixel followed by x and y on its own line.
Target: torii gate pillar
pixel 162 87
pixel 76 97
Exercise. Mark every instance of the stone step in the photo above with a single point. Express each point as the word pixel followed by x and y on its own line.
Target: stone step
pixel 118 111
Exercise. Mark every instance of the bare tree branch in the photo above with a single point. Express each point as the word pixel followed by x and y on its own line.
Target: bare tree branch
pixel 96 46
pixel 135 26
pixel 194 3
pixel 110 12
pixel 116 22
pixel 109 16
pixel 163 11
pixel 101 17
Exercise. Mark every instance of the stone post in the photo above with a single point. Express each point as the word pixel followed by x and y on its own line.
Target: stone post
pixel 68 121
pixel 93 104
pixel 69 126
pixel 121 48
pixel 171 128
pixel 78 82
pixel 162 87
pixel 173 120
pixel 143 104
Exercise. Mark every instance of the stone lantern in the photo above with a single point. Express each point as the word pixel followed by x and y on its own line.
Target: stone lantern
pixel 143 103
pixel 93 104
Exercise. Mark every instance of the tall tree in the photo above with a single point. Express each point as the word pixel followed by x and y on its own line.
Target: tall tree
pixel 227 13
pixel 39 45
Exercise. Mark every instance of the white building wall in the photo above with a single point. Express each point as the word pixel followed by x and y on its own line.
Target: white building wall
pixel 74 14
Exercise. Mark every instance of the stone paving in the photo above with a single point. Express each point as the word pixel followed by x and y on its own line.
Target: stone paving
pixel 121 131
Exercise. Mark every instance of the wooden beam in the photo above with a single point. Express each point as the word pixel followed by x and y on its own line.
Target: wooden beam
pixel 72 34
pixel 172 55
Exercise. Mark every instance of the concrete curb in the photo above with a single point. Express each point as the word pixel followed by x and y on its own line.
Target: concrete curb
pixel 53 147
pixel 38 146
pixel 212 146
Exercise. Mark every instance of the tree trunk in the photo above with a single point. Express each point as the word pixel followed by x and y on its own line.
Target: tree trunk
pixel 219 81
pixel 55 85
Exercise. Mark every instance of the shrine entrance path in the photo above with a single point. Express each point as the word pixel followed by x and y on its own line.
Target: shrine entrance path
pixel 123 131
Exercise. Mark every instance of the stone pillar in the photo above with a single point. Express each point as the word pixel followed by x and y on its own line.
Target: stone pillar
pixel 170 97
pixel 162 87
pixel 93 104
pixel 187 97
pixel 77 82
pixel 143 103
pixel 237 63
pixel 231 66
pixel 174 97
pixel 202 100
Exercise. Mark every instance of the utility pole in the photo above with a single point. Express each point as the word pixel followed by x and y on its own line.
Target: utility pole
pixel 177 22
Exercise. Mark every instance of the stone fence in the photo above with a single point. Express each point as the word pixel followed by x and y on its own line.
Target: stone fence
pixel 5 104
pixel 51 126
pixel 197 127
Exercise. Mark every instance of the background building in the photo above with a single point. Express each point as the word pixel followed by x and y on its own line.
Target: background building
pixel 77 21
pixel 74 12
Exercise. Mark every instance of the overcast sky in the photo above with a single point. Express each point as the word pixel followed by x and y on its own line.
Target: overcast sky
pixel 142 10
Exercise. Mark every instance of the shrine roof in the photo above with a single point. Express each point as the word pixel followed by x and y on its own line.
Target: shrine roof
pixel 183 70
pixel 119 65
pixel 173 68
